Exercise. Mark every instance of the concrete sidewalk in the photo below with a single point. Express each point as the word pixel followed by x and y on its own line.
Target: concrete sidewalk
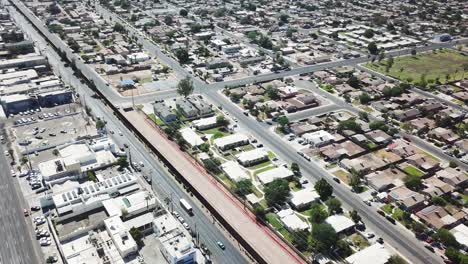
pixel 260 238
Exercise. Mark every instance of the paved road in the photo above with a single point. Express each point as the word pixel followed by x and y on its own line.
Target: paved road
pixel 17 244
pixel 163 183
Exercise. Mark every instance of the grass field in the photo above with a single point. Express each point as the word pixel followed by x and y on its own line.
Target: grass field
pixel 431 64
pixel 413 171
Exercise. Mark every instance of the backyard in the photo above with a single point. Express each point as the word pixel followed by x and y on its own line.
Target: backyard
pixel 431 65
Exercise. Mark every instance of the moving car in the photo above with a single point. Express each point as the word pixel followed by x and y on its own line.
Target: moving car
pixel 220 245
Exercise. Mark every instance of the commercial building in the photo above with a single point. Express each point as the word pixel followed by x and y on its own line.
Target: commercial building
pixel 174 242
pixel 122 239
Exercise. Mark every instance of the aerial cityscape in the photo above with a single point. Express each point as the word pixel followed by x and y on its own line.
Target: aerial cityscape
pixel 232 131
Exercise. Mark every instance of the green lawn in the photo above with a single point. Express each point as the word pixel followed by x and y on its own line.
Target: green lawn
pixel 275 222
pixel 413 171
pixel 260 165
pixel 342 175
pixel 156 119
pixel 433 65
pixel 294 186
pixel 398 215
pixel 359 241
pixel 263 169
pixel 388 208
pixel 271 155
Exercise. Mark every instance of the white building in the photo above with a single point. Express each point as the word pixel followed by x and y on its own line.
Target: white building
pixel 277 173
pixel 340 223
pixel 291 221
pixel 91 195
pixel 192 138
pixel 133 204
pixel 231 141
pixel 205 123
pixel 303 198
pixel 234 171
pixel 318 138
pixel 122 239
pixel 460 232
pixel 375 254
pixel 252 157
pixel 76 159
pixel 175 242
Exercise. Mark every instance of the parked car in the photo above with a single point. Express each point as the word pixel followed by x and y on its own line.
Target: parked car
pixel 186 226
pixel 35 208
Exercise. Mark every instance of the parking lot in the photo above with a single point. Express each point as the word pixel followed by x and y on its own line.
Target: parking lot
pixel 54 130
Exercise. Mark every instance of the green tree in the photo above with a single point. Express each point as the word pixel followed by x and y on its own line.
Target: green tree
pixel 445 237
pixel 182 55
pixel 243 187
pixel 324 189
pixel 413 182
pixel 396 259
pixel 372 47
pixel 50 259
pixel 259 212
pixel 55 152
pixel 168 20
pixel 221 121
pixel 418 227
pixel 369 33
pixel 365 98
pixel 272 92
pixel 354 82
pixel 183 12
pixel 100 124
pixel 437 200
pixel 283 121
pixel 349 124
pixel 296 169
pixel 317 213
pixel 334 206
pixel 185 87
pixel 118 28
pixel 122 162
pixel 355 216
pixel 299 239
pixel 324 237
pixel 354 181
pixel 136 234
pixel 277 191
pixel 91 176
pixel 54 9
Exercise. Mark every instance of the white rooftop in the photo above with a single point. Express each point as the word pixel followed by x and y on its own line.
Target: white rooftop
pixel 191 137
pixel 234 171
pixel 203 122
pixel 276 173
pixel 375 254
pixel 291 220
pixel 231 139
pixel 461 234
pixel 340 222
pixel 251 155
pixel 304 196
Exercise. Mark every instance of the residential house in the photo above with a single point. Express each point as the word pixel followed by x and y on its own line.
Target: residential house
pixel 435 187
pixel 318 138
pixel 455 177
pixel 444 134
pixel 437 217
pixel 252 157
pixel 291 221
pixel 346 149
pixel 407 114
pixel 379 137
pixel 384 180
pixel 231 141
pixel 164 112
pixel 341 224
pixel 423 162
pixel 406 198
pixel 303 198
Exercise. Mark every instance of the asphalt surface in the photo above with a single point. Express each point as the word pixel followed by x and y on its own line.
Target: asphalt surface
pixel 163 183
pixel 17 244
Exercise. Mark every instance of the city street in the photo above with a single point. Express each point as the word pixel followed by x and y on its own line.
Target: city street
pixel 17 241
